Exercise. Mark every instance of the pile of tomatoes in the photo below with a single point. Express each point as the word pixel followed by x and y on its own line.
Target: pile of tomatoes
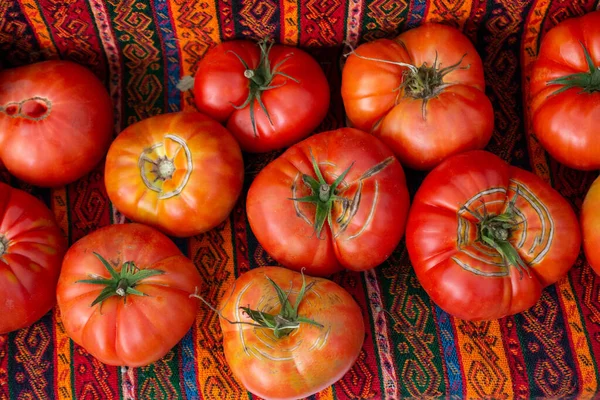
pixel 484 237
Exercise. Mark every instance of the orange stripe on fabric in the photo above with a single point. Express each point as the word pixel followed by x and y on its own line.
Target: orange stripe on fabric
pixel 289 16
pixel 33 14
pixel 578 339
pixel 483 360
pixel 457 11
pixel 194 35
pixel 326 394
pixel 62 345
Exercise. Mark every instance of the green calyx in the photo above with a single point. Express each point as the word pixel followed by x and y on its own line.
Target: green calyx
pixel 260 80
pixel 495 231
pixel 589 81
pixel 323 195
pixel 120 284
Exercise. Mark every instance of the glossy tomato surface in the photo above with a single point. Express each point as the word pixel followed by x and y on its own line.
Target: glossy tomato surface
pixel 179 172
pixel 565 112
pixel 467 276
pixel 131 330
pixel 31 250
pixel 56 122
pixel 421 126
pixel 590 225
pixel 368 209
pixel 296 102
pixel 306 361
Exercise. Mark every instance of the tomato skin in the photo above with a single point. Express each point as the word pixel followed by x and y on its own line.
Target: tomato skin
pixel 374 103
pixel 590 221
pixel 206 182
pixel 137 330
pixel 296 108
pixel 467 278
pixel 287 232
pixel 565 123
pixel 291 367
pixel 30 262
pixel 71 137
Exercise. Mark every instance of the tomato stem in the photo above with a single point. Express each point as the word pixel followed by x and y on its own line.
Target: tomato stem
pixel 588 81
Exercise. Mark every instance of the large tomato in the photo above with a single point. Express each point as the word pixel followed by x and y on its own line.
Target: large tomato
pixel 32 247
pixel 179 172
pixel 124 294
pixel 590 225
pixel 288 336
pixel 56 122
pixel 485 237
pixel 422 93
pixel 565 97
pixel 269 96
pixel 335 200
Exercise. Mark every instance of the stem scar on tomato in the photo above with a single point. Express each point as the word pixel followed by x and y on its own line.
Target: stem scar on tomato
pixel 589 81
pixel 495 231
pixel 34 108
pixel 282 324
pixel 119 284
pixel 260 79
pixel 423 82
pixel 3 246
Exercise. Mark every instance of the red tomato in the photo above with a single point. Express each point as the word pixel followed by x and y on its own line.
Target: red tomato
pixel 269 96
pixel 124 294
pixel 590 224
pixel 565 97
pixel 179 172
pixel 56 122
pixel 350 207
pixel 485 237
pixel 421 93
pixel 31 250
pixel 320 334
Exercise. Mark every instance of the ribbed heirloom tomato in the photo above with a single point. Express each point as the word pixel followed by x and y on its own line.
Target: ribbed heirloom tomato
pixel 485 237
pixel 422 93
pixel 565 92
pixel 335 200
pixel 179 172
pixel 288 336
pixel 124 294
pixel 56 122
pixel 31 250
pixel 590 225
pixel 269 96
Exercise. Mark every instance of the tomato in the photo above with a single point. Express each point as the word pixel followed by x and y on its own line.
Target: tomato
pixel 318 337
pixel 179 172
pixel 31 250
pixel 269 96
pixel 590 222
pixel 124 294
pixel 335 200
pixel 564 90
pixel 485 237
pixel 56 122
pixel 422 93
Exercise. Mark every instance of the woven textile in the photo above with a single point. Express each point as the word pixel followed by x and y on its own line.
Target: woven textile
pixel 141 49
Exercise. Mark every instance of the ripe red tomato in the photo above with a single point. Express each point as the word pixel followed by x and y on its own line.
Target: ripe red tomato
pixel 335 200
pixel 56 122
pixel 31 250
pixel 590 222
pixel 565 97
pixel 485 237
pixel 421 93
pixel 124 294
pixel 269 96
pixel 319 335
pixel 179 172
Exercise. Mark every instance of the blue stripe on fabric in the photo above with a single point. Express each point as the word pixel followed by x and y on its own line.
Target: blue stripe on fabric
pixel 455 384
pixel 167 33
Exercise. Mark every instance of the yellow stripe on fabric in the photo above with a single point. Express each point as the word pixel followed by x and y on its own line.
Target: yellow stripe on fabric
pixel 578 339
pixel 458 11
pixel 194 35
pixel 484 361
pixel 291 30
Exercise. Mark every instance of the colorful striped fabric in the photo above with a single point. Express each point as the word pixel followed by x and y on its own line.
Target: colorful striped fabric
pixel 142 48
